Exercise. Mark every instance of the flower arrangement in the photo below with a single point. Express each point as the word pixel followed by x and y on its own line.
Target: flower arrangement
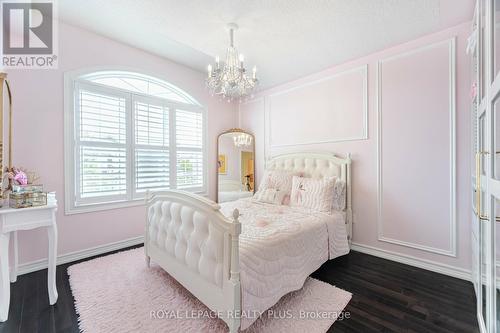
pixel 19 184
pixel 20 176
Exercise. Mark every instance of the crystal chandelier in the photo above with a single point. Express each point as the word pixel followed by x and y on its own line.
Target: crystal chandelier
pixel 242 140
pixel 229 79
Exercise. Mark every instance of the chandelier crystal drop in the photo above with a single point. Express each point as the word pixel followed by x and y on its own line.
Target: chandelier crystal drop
pixel 242 140
pixel 229 79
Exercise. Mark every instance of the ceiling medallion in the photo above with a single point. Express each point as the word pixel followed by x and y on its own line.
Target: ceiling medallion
pixel 229 79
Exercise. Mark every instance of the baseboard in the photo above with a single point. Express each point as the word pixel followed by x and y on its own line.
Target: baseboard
pixel 404 259
pixel 78 255
pixel 429 265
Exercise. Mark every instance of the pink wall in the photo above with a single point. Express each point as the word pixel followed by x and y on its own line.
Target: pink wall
pixel 38 134
pixel 416 168
pixel 252 120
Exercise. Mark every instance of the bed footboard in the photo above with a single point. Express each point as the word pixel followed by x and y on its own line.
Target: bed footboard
pixel 195 243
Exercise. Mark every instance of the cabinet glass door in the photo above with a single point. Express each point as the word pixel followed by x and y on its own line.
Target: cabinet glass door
pixel 481 226
pixel 494 182
pixel 475 99
pixel 479 140
pixel 485 112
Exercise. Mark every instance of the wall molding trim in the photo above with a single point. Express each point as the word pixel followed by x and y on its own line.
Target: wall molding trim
pixel 429 265
pixel 37 265
pixel 268 109
pixel 452 251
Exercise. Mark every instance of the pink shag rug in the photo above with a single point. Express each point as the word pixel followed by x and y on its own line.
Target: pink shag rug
pixel 119 293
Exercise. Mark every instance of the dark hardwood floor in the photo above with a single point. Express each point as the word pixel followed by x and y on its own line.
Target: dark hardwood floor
pixel 387 297
pixel 392 297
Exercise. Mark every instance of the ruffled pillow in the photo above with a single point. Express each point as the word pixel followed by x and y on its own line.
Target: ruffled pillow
pixel 315 194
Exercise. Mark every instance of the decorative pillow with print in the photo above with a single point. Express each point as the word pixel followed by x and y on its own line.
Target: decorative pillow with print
pixel 280 180
pixel 316 194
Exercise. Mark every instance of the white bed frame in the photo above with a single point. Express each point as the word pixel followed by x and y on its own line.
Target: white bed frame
pixel 194 242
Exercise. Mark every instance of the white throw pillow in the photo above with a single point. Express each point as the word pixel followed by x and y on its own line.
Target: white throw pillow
pixel 278 179
pixel 316 194
pixel 270 195
pixel 339 195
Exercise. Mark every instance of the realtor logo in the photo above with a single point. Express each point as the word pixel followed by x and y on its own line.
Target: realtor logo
pixel 28 34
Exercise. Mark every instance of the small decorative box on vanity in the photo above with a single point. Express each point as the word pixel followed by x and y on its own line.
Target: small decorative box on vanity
pixel 28 199
pixel 24 196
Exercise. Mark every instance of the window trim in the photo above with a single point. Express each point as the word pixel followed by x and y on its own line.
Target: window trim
pixel 71 81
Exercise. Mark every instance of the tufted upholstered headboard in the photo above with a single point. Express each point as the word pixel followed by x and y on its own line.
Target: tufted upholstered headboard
pixel 318 165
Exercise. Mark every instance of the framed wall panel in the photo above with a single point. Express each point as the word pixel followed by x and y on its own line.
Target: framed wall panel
pixel 416 149
pixel 332 109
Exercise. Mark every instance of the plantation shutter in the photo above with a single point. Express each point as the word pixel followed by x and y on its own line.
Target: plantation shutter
pixel 101 144
pixel 152 160
pixel 126 138
pixel 189 149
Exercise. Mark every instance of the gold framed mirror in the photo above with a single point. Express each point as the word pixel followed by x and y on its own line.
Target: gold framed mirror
pixel 235 165
pixel 5 133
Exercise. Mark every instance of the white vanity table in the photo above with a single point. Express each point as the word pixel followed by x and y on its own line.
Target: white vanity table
pixel 12 220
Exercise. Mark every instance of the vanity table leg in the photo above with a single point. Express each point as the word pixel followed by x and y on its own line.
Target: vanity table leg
pixel 51 277
pixel 4 277
pixel 15 265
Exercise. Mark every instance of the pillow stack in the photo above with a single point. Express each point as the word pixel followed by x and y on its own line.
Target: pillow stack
pixel 286 187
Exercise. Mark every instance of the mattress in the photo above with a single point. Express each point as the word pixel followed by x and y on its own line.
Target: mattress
pixel 280 246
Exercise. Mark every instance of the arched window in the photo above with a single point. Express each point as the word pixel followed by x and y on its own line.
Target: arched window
pixel 141 84
pixel 128 133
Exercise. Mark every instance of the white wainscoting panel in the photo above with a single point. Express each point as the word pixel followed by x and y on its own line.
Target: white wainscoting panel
pixel 416 149
pixel 331 109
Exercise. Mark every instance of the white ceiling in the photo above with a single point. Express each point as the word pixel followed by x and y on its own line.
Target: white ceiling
pixel 286 39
